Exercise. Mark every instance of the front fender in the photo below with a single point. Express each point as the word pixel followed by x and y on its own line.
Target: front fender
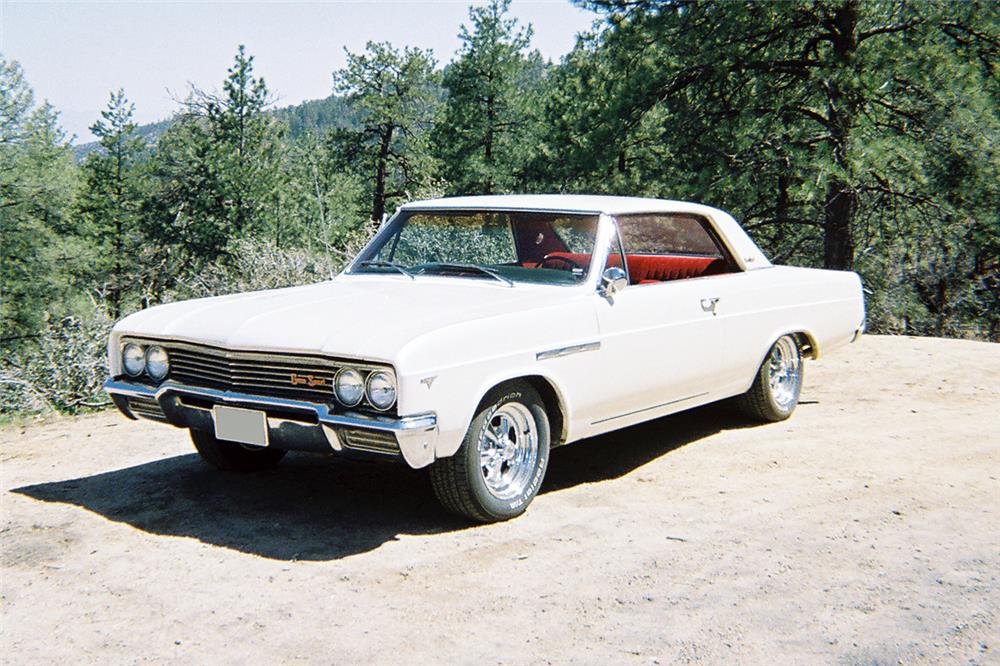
pixel 475 356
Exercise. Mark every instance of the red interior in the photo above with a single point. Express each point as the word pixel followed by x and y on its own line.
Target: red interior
pixel 645 268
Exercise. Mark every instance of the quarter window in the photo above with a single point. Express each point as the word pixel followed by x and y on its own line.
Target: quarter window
pixel 667 234
pixel 662 247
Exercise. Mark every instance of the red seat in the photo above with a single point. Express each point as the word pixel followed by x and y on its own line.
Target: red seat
pixel 648 268
pixel 652 268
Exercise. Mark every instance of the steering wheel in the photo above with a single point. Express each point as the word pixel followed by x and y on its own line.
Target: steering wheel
pixel 561 263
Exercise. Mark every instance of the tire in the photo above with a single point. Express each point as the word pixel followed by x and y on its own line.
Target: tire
pixel 776 388
pixel 500 466
pixel 233 456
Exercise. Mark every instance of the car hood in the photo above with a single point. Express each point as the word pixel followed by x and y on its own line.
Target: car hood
pixel 370 317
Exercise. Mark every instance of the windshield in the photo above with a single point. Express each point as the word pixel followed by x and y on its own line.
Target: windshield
pixel 505 246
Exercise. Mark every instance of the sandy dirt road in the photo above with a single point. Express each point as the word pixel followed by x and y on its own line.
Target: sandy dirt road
pixel 864 530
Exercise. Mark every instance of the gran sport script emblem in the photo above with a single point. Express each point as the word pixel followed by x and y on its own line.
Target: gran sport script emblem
pixel 309 380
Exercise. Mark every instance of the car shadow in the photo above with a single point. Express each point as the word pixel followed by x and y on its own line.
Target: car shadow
pixel 315 509
pixel 617 453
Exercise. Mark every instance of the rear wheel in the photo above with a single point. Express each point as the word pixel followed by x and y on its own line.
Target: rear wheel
pixel 775 390
pixel 233 456
pixel 500 466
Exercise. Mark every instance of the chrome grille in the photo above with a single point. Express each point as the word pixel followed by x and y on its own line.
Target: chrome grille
pixel 287 376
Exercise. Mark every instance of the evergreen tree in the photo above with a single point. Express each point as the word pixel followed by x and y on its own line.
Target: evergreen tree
pixel 827 127
pixel 394 94
pixel 109 204
pixel 36 183
pixel 325 203
pixel 491 97
pixel 217 172
pixel 246 143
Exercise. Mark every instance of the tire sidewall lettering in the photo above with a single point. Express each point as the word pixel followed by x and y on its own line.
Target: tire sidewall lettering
pixel 488 417
pixel 532 488
pixel 539 473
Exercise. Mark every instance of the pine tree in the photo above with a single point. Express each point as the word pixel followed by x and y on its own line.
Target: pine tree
pixel 394 94
pixel 36 181
pixel 110 202
pixel 217 172
pixel 246 145
pixel 491 86
pixel 849 134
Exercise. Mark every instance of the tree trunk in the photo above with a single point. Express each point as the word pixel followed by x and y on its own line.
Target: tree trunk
pixel 841 198
pixel 838 241
pixel 117 281
pixel 490 121
pixel 381 163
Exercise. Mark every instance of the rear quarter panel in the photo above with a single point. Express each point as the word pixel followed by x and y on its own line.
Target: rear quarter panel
pixel 762 305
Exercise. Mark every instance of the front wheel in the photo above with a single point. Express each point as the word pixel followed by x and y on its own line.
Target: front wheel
pixel 499 468
pixel 776 388
pixel 233 456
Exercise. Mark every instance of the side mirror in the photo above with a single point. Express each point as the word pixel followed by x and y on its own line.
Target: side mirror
pixel 613 280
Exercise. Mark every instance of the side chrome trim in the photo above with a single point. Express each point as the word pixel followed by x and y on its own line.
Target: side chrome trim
pixel 566 351
pixel 405 424
pixel 646 409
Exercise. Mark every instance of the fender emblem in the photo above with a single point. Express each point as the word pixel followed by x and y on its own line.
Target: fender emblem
pixel 309 380
pixel 427 381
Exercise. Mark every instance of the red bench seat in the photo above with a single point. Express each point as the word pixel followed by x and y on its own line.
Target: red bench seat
pixel 648 268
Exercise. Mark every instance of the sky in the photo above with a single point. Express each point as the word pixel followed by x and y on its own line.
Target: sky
pixel 75 53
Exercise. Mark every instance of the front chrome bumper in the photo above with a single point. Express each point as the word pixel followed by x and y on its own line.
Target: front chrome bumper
pixel 293 424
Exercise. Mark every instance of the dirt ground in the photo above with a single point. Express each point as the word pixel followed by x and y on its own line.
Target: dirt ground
pixel 865 530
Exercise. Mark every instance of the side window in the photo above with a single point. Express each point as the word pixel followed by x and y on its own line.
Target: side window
pixel 667 234
pixel 662 247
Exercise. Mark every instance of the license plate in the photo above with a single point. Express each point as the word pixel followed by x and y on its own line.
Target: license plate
pixel 246 426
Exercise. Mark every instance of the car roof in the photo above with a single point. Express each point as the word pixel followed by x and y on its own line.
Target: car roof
pixel 578 203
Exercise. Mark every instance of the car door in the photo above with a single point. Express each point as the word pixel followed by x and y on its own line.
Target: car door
pixel 661 340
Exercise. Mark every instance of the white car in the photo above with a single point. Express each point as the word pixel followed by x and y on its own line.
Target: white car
pixel 473 334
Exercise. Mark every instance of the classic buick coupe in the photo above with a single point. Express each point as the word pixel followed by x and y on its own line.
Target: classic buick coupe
pixel 472 335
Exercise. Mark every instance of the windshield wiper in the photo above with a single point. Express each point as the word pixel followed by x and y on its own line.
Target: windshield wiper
pixel 468 267
pixel 389 264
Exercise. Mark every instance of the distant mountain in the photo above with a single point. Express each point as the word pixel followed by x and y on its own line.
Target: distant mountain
pixel 311 115
pixel 151 133
pixel 318 114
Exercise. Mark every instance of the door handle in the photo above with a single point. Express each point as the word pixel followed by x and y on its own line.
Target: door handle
pixel 709 304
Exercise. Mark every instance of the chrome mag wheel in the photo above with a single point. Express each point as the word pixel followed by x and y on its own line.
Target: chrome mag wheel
pixel 508 450
pixel 784 373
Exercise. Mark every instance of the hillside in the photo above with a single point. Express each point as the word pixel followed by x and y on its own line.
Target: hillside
pixel 311 115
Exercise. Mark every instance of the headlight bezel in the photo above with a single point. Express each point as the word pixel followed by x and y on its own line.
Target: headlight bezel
pixel 390 379
pixel 336 386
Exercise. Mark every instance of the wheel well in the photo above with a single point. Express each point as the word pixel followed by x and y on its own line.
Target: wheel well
pixel 551 402
pixel 806 345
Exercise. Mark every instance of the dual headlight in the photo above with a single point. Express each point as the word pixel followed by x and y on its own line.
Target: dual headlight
pixel 137 359
pixel 350 386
